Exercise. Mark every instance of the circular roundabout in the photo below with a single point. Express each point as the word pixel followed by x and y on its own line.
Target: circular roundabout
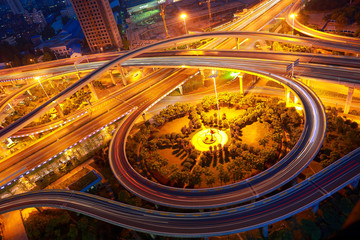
pixel 259 185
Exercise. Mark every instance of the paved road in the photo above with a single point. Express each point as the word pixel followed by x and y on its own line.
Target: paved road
pixel 315 33
pixel 233 220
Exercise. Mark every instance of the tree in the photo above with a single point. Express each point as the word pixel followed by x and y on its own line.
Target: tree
pixel 48 32
pixel 236 169
pixel 195 177
pixel 49 54
pixel 223 174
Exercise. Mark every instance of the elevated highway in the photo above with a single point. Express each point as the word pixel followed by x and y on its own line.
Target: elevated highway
pixel 258 214
pixel 27 119
pixel 315 33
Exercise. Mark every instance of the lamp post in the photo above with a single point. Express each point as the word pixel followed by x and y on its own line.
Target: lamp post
pixel 34 62
pixel 38 79
pixel 208 4
pixel 162 14
pixel 293 16
pixel 183 16
pixel 213 75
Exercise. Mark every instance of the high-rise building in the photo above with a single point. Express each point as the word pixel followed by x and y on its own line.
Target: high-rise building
pixel 16 6
pixel 98 24
pixel 35 17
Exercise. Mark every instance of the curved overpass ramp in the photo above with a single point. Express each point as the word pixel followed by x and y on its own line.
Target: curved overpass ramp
pixel 22 122
pixel 281 173
pixel 259 214
pixel 315 33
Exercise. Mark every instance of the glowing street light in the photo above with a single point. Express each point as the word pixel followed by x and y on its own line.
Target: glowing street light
pixel 213 76
pixel 293 16
pixel 162 14
pixel 183 16
pixel 9 64
pixel 38 79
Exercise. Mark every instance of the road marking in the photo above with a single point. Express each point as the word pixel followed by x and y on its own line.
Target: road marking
pixel 216 213
pixel 283 194
pixel 180 215
pixel 250 206
pixel 232 210
pixel 196 215
pixel 267 200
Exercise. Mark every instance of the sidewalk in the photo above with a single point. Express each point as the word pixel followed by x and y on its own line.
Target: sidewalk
pixel 13 226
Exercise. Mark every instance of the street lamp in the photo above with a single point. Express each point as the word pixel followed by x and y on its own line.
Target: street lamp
pixel 38 79
pixel 183 16
pixel 213 75
pixel 9 64
pixel 162 14
pixel 293 16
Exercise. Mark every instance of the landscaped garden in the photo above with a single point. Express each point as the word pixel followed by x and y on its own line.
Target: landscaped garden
pixel 188 145
pixel 37 96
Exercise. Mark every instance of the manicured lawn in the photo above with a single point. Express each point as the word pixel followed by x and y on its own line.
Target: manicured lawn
pixel 177 158
pixel 174 126
pixel 253 133
pixel 231 113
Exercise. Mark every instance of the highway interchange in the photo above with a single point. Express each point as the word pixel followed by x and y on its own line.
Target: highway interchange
pixel 247 217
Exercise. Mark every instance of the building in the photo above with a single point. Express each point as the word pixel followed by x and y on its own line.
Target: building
pixel 68 12
pixel 16 6
pixel 36 17
pixel 135 6
pixel 67 42
pixel 98 24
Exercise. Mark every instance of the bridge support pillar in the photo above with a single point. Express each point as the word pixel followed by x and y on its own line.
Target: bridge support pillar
pixel 92 89
pixel 156 206
pixel 78 75
pixel 202 76
pixel 28 91
pixel 122 75
pixel 152 236
pixel 32 136
pixel 265 231
pixel 51 83
pixel 12 82
pixel 59 110
pixel 237 43
pixel 315 208
pixel 181 90
pixel 287 92
pixel 354 184
pixel 144 118
pixel 112 77
pixel 348 100
pixel 241 83
pixel 254 79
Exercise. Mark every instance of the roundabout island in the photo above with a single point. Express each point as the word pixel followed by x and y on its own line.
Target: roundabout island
pixel 207 138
